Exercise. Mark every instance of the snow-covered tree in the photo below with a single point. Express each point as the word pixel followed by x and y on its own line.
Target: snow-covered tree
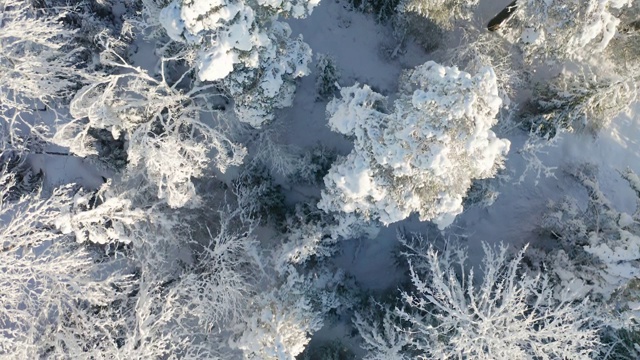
pixel 444 13
pixel 37 62
pixel 327 76
pixel 509 314
pixel 624 48
pixel 283 319
pixel 599 249
pixel 170 132
pixel 480 49
pixel 309 235
pixel 422 156
pixel 242 44
pixel 580 101
pixel 427 21
pixel 384 339
pixel 558 30
pixel 51 284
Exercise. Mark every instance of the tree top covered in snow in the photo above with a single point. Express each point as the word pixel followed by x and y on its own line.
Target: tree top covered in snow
pixel 422 156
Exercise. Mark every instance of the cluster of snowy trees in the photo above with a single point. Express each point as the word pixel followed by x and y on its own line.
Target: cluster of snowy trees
pixel 192 247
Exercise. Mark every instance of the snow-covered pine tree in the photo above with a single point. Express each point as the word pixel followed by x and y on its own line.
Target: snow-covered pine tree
pixel 559 30
pixel 327 77
pixel 422 156
pixel 583 102
pixel 242 45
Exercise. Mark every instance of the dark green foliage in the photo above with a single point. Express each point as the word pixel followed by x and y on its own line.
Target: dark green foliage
pixel 333 350
pixel 483 191
pixel 111 151
pixel 317 162
pixel 383 10
pixel 26 179
pixel 620 344
pixel 257 185
pixel 327 76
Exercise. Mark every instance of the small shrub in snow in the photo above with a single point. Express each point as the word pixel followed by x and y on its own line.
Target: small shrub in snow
pixel 599 250
pixel 422 156
pixel 327 76
pixel 508 315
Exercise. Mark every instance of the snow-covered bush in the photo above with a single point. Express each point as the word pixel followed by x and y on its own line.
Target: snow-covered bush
pixel 383 10
pixel 111 152
pixel 327 77
pixel 599 250
pixel 508 315
pixel 25 179
pixel 242 44
pixel 557 30
pixel 422 156
pixel 168 140
pixel 268 149
pixel 283 320
pixel 100 217
pixel 427 21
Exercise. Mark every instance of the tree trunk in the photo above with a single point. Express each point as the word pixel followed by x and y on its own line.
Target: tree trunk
pixel 502 16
